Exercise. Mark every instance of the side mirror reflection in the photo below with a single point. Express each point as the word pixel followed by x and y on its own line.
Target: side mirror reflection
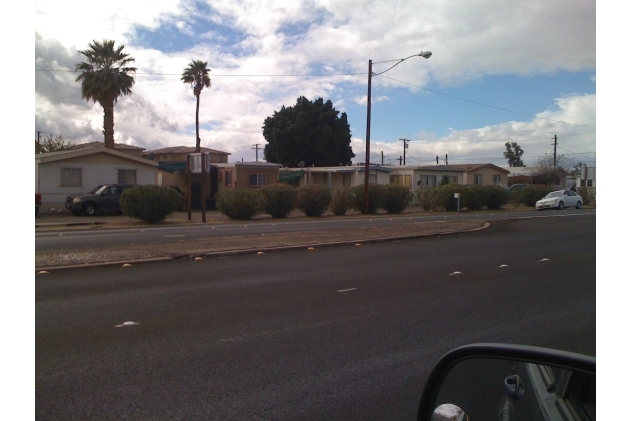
pixel 498 387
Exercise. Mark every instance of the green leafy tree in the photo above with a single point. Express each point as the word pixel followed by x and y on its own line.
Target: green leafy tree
pixel 196 74
pixel 311 132
pixel 52 144
pixel 513 154
pixel 104 77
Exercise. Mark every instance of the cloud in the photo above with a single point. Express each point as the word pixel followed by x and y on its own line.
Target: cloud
pixel 247 37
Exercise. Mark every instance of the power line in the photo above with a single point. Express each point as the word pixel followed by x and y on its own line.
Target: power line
pixel 489 106
pixel 349 74
pixel 224 75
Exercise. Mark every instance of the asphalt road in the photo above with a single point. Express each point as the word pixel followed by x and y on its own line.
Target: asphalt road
pixel 94 239
pixel 334 333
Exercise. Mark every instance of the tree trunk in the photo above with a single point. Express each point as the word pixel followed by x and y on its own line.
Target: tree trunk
pixel 197 139
pixel 108 124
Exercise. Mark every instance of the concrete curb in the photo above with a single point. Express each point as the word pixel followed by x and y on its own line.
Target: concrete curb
pixel 254 250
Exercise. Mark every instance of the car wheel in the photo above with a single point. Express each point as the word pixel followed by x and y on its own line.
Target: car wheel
pixel 561 206
pixel 579 205
pixel 89 209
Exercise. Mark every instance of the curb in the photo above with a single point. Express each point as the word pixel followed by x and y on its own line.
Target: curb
pixel 254 250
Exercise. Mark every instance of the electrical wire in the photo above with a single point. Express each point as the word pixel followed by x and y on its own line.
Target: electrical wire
pixel 486 105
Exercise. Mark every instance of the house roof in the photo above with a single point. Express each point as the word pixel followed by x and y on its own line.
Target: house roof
pixel 445 168
pixel 340 169
pixel 117 146
pixel 183 150
pixel 96 149
pixel 473 167
pixel 261 164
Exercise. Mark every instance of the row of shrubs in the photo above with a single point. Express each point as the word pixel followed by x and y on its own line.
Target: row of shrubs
pixel 471 197
pixel 153 204
pixel 278 200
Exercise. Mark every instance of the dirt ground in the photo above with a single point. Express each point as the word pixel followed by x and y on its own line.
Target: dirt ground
pixel 207 247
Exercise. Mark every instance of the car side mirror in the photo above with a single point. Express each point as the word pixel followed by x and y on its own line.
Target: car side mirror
pixel 507 382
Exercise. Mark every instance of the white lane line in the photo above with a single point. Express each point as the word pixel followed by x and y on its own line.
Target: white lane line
pixel 175 235
pixel 345 290
pixel 455 273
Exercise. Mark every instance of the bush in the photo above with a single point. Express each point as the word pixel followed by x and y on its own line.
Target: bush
pixel 427 197
pixel 278 199
pixel 151 204
pixel 395 198
pixel 473 197
pixel 445 197
pixel 313 199
pixel 529 195
pixel 239 203
pixel 340 201
pixel 495 196
pixel 585 194
pixel 375 198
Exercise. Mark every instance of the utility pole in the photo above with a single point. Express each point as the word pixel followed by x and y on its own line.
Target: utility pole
pixel 256 146
pixel 38 136
pixel 381 158
pixel 400 158
pixel 446 161
pixel 555 150
pixel 405 146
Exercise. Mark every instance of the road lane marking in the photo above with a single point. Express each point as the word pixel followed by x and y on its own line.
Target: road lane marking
pixel 345 290
pixel 455 273
pixel 175 235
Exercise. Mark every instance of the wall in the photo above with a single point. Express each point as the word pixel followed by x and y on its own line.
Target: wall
pixel 96 169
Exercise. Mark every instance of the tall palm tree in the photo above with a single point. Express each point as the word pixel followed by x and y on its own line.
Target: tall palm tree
pixel 196 73
pixel 104 77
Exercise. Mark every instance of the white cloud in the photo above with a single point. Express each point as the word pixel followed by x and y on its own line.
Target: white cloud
pixel 469 40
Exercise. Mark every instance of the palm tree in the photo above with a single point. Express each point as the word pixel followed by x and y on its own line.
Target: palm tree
pixel 197 75
pixel 104 77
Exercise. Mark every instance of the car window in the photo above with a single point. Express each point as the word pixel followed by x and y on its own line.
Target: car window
pixel 565 193
pixel 100 190
pixel 554 194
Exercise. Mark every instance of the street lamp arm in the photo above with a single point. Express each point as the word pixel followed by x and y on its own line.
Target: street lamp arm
pixel 424 54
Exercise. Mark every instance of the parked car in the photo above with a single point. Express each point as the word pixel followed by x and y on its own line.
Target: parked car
pixel 515 188
pixel 560 199
pixel 103 198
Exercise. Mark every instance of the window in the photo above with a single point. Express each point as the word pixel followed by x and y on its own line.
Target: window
pixel 557 181
pixel 257 179
pixel 372 178
pixel 228 178
pixel 71 177
pixel 497 180
pixel 477 179
pixel 346 180
pixel 428 180
pixel 126 176
pixel 402 180
pixel 589 183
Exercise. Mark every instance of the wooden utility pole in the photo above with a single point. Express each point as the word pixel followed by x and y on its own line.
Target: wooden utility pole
pixel 555 150
pixel 400 158
pixel 405 146
pixel 204 157
pixel 188 185
pixel 256 147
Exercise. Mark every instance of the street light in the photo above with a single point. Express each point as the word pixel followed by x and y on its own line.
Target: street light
pixel 424 54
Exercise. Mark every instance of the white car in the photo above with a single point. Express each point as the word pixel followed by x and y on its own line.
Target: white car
pixel 560 199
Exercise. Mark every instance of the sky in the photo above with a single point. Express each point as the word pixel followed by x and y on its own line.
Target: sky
pixel 499 72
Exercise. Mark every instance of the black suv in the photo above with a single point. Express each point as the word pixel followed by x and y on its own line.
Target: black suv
pixel 103 198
